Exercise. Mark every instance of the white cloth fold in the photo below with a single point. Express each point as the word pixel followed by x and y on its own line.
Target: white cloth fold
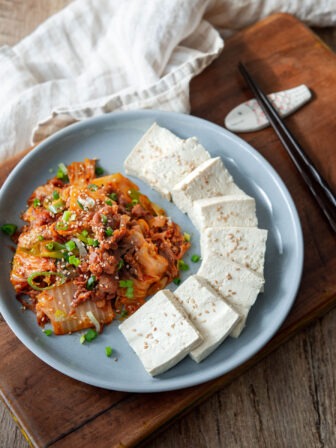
pixel 98 56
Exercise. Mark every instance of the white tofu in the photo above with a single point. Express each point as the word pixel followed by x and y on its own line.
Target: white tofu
pixel 209 179
pixel 162 159
pixel 243 245
pixel 222 211
pixel 238 285
pixel 160 333
pixel 208 312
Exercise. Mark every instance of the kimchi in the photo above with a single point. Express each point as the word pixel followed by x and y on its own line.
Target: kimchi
pixel 93 248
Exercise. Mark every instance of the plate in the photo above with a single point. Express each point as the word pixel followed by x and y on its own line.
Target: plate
pixel 110 138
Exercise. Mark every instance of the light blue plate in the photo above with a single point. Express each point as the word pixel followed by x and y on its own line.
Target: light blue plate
pixel 110 138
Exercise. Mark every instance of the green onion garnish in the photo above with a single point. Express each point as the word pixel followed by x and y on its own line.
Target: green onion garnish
pixel 104 219
pixel 177 281
pixel 109 231
pixel 126 283
pixel 80 204
pixel 82 339
pixel 120 264
pixel 93 187
pixel 40 238
pixel 49 246
pixel 195 258
pixel 57 206
pixel 55 194
pixel 186 237
pixel 92 242
pixel 182 265
pixel 8 229
pixel 99 171
pixel 108 351
pixel 36 202
pixel 61 226
pixel 129 292
pixel 74 260
pixel 108 202
pixel 66 215
pixel 113 196
pixel 135 201
pixel 90 335
pixel 32 277
pixel 123 313
pixel 84 233
pixel 90 284
pixel 47 332
pixel 70 245
pixel 62 172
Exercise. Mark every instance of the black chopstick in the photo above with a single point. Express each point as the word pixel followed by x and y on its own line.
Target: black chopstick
pixel 317 185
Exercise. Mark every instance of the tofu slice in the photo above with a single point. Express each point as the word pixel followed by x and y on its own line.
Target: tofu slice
pixel 222 211
pixel 162 159
pixel 238 285
pixel 208 312
pixel 160 333
pixel 243 245
pixel 209 179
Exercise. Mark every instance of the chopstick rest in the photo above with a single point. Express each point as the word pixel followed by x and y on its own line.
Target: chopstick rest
pixel 249 116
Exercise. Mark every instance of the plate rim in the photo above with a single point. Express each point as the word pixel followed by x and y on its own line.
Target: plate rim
pixel 215 372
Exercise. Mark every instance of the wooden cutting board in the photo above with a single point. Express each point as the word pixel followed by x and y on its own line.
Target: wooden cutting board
pixel 54 410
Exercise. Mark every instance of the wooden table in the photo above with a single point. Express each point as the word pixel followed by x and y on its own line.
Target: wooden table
pixel 286 400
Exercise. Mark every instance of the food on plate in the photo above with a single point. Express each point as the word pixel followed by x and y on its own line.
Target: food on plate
pixel 209 179
pixel 162 159
pixel 92 248
pixel 244 245
pixel 237 284
pixel 208 312
pixel 221 211
pixel 160 333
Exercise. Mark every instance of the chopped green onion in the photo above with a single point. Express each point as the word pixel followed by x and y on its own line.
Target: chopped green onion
pixel 129 292
pixel 32 277
pixel 55 194
pixel 135 195
pixel 99 171
pixel 104 219
pixel 93 187
pixel 109 231
pixel 186 237
pixel 195 258
pixel 66 215
pixel 62 172
pixel 92 242
pixel 135 201
pixel 49 246
pixel 47 332
pixel 57 206
pixel 123 313
pixel 113 196
pixel 108 202
pixel 74 260
pixel 108 351
pixel 82 339
pixel 84 233
pixel 120 264
pixel 80 204
pixel 182 265
pixel 177 281
pixel 40 238
pixel 70 245
pixel 61 226
pixel 90 284
pixel 126 283
pixel 90 335
pixel 8 229
pixel 36 202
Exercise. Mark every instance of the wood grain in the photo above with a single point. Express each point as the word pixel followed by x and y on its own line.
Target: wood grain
pixel 290 405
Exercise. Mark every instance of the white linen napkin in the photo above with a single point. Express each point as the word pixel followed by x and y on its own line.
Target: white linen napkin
pixel 98 56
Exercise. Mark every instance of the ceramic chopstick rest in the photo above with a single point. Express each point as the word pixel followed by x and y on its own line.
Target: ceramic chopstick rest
pixel 249 116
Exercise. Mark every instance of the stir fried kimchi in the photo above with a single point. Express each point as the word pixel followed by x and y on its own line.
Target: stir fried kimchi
pixel 93 248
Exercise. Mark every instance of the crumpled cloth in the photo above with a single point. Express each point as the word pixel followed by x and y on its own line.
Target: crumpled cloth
pixel 98 56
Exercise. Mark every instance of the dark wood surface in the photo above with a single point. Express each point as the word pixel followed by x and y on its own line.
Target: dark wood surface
pixel 287 399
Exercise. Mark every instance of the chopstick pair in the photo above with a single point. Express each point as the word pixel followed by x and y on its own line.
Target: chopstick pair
pixel 317 185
